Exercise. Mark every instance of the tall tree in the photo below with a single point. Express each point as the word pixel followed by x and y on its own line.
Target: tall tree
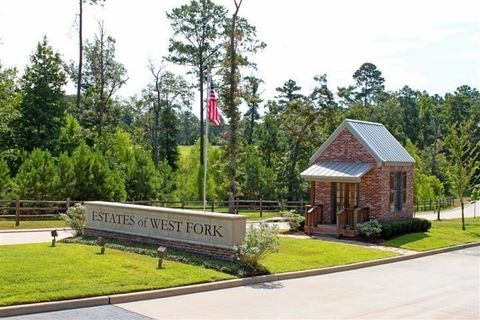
pixel 10 98
pixel 299 122
pixel 80 45
pixel 252 97
pixel 197 43
pixel 167 94
pixel 287 93
pixel 369 80
pixel 464 160
pixel 242 40
pixel 189 125
pixel 325 103
pixel 408 100
pixel 42 110
pixel 103 77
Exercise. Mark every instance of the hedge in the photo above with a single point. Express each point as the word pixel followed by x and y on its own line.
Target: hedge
pixel 398 227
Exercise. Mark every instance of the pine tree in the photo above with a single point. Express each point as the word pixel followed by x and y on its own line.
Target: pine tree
pixel 37 177
pixel 66 176
pixel 141 181
pixel 94 179
pixel 43 106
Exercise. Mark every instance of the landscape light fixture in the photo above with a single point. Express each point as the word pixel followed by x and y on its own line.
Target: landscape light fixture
pixel 54 234
pixel 161 251
pixel 101 242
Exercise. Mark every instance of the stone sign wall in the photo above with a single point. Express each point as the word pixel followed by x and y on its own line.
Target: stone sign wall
pixel 213 234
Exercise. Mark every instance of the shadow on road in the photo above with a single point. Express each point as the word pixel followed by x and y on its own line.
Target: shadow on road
pixel 268 285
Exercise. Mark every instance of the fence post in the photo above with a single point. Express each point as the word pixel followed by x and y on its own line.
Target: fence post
pixel 17 212
pixel 438 210
pixel 67 204
pixel 183 204
pixel 213 205
pixel 301 206
pixel 261 208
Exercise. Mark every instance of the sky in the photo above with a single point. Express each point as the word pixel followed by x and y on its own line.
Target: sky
pixel 429 45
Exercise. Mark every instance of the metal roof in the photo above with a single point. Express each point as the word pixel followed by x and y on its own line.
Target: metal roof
pixel 378 141
pixel 336 171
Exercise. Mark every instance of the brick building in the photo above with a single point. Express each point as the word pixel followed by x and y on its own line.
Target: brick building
pixel 360 172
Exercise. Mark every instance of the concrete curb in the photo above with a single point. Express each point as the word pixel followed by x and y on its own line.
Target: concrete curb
pixel 197 288
pixel 33 230
pixel 53 306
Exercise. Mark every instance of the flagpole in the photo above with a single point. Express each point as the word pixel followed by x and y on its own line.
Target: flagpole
pixel 205 152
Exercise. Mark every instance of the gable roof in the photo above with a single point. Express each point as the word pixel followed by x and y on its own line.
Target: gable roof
pixel 375 138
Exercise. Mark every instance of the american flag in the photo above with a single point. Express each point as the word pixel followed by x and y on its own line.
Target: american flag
pixel 213 114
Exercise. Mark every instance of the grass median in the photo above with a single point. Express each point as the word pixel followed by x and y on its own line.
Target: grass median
pixel 303 254
pixel 38 272
pixel 32 224
pixel 445 233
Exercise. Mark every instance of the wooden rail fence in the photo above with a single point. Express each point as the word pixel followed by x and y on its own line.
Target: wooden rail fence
pixel 38 209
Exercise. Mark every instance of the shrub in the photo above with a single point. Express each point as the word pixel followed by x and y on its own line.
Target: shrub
pixel 294 219
pixel 398 227
pixel 259 242
pixel 371 229
pixel 75 218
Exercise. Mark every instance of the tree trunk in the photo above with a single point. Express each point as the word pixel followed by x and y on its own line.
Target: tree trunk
pixel 233 113
pixel 463 215
pixel 252 123
pixel 80 54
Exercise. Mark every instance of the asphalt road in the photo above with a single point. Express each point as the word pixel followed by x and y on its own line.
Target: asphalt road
pixel 443 286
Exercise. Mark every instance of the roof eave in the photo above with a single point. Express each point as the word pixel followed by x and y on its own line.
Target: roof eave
pixel 331 179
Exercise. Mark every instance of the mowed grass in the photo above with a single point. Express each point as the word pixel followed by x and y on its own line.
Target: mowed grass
pixel 445 233
pixel 38 272
pixel 303 254
pixel 29 224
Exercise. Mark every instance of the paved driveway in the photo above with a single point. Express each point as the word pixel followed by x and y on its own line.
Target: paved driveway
pixel 469 211
pixel 443 286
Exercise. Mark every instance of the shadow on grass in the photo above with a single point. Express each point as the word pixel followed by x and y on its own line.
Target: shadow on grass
pixel 407 238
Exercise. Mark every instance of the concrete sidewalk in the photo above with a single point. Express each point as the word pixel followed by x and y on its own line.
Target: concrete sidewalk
pixel 31 236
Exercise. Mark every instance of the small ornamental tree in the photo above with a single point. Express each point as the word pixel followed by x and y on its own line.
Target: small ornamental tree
pixel 294 219
pixel 75 218
pixel 37 177
pixel 259 242
pixel 463 160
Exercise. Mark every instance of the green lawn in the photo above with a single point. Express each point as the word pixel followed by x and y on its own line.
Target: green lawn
pixel 303 254
pixel 38 272
pixel 444 233
pixel 29 224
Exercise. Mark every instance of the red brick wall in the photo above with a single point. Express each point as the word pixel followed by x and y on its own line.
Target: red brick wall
pixel 346 148
pixel 374 185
